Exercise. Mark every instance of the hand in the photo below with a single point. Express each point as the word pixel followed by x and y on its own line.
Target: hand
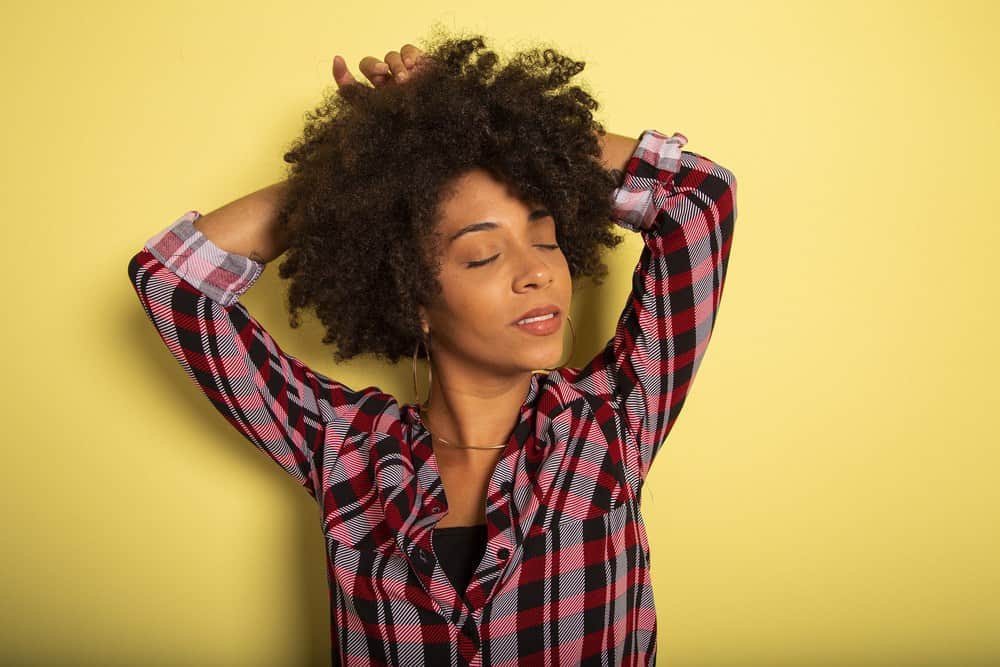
pixel 398 67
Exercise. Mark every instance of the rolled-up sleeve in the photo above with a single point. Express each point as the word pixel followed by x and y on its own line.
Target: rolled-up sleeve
pixel 684 206
pixel 190 290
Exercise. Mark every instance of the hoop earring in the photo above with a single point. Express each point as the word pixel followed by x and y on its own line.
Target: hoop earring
pixel 430 373
pixel 571 350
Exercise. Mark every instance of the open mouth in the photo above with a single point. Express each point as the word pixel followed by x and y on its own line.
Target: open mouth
pixel 541 325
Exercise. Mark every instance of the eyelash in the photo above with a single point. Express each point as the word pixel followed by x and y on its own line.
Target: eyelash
pixel 484 262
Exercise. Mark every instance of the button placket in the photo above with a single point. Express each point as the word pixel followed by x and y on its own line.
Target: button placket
pixel 500 548
pixel 424 558
pixel 470 631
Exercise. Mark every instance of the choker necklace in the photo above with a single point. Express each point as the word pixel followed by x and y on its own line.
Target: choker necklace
pixel 423 416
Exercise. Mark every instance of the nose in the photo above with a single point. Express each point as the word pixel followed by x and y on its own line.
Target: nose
pixel 535 270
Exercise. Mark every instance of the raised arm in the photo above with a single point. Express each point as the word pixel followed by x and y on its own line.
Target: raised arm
pixel 189 287
pixel 684 206
pixel 248 226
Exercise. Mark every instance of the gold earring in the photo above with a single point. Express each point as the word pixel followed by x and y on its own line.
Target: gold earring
pixel 416 394
pixel 571 351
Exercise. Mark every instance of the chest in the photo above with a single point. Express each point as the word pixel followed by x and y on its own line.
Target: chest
pixel 385 489
pixel 466 485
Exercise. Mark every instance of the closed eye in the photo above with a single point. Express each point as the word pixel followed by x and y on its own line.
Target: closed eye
pixel 484 262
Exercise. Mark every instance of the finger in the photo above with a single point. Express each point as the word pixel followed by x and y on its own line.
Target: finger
pixel 341 74
pixel 396 65
pixel 373 68
pixel 410 54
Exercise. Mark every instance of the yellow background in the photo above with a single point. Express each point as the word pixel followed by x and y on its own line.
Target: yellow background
pixel 829 495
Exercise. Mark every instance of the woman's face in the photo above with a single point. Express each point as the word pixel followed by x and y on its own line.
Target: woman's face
pixel 499 259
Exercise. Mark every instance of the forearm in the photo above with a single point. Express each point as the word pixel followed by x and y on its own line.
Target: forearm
pixel 616 150
pixel 248 226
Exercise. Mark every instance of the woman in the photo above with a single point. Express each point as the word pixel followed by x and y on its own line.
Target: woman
pixel 445 212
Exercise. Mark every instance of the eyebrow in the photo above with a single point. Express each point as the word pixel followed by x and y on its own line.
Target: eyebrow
pixel 537 214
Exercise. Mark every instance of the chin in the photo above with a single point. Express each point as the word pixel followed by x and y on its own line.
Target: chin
pixel 548 361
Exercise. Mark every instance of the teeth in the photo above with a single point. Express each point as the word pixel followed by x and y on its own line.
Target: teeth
pixel 536 319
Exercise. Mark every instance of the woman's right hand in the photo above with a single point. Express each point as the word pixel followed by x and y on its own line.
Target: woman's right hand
pixel 397 66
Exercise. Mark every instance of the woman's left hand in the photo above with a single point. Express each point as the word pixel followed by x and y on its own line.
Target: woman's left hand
pixel 397 66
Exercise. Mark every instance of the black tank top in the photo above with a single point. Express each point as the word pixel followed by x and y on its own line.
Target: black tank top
pixel 459 550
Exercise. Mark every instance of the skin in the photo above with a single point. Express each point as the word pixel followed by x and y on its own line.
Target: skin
pixel 481 362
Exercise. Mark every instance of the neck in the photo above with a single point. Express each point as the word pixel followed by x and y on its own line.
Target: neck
pixel 467 409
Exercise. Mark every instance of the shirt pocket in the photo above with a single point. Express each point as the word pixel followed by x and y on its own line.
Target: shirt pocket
pixel 583 475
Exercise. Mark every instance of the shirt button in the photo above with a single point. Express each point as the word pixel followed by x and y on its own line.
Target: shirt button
pixel 435 509
pixel 503 553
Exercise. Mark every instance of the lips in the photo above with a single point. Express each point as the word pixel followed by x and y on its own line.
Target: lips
pixel 535 312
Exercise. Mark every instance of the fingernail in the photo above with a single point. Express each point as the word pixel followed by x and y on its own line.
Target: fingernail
pixel 409 62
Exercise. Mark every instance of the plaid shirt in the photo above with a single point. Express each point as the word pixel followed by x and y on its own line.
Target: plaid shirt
pixel 565 577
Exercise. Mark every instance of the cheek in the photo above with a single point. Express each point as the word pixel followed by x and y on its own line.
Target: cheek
pixel 474 305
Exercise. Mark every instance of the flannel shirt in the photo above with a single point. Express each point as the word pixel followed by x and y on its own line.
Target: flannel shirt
pixel 565 579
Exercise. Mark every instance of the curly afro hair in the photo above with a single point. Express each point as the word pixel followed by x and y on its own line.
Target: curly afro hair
pixel 372 165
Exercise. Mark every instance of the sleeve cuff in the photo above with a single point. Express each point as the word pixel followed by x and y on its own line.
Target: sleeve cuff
pixel 644 190
pixel 218 274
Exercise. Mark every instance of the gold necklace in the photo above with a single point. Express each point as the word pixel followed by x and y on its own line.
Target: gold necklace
pixel 423 416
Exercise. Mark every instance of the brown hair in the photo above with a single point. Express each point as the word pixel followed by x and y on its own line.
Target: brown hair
pixel 372 165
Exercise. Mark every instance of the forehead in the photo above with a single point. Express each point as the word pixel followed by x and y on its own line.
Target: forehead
pixel 473 196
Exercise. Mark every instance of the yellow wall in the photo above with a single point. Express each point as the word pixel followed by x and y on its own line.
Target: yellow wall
pixel 828 496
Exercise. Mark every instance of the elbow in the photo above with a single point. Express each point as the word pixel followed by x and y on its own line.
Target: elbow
pixel 725 181
pixel 724 191
pixel 726 176
pixel 720 186
pixel 714 180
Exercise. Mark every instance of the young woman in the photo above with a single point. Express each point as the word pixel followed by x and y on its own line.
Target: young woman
pixel 445 212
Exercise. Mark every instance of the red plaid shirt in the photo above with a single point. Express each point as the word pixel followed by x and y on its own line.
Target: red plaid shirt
pixel 565 577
